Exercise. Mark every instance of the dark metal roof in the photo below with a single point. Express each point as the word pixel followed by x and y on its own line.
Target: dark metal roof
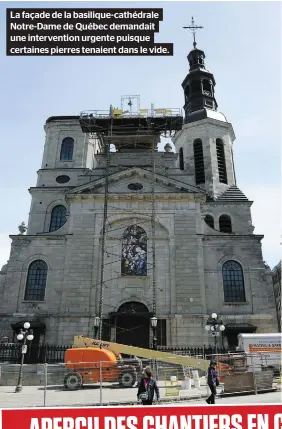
pixel 204 113
pixel 240 326
pixel 232 194
pixel 61 118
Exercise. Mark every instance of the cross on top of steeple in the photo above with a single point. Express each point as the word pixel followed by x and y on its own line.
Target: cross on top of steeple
pixel 193 27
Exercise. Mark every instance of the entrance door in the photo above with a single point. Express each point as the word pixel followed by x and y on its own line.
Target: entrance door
pixel 233 330
pixel 133 325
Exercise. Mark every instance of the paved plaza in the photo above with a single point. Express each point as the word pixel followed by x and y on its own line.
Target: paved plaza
pixel 86 396
pixel 56 396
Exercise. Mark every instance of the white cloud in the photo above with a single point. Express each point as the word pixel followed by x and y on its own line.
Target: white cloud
pixel 266 217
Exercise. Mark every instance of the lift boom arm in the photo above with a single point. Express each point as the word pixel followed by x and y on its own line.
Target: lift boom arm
pixel 117 349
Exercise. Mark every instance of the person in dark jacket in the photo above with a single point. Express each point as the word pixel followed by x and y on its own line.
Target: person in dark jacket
pixel 147 388
pixel 212 382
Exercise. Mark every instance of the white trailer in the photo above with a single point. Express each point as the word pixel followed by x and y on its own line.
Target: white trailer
pixel 263 350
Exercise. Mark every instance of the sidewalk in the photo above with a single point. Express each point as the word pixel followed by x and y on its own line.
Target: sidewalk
pixel 91 395
pixel 56 396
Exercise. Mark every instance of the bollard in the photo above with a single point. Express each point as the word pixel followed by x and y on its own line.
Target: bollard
pixel 254 374
pixel 45 382
pixel 101 385
pixel 157 370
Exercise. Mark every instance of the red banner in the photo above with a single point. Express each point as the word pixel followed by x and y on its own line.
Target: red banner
pixel 138 417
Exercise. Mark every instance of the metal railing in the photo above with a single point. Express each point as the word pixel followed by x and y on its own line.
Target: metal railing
pixel 49 353
pixel 43 353
pixel 155 113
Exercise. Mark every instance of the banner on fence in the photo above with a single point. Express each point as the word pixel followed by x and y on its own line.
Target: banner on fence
pixel 138 417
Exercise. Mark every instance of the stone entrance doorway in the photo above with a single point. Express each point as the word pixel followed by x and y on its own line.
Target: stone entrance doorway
pixel 232 330
pixel 133 325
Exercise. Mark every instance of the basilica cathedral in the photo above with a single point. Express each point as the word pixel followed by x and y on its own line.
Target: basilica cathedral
pixel 120 233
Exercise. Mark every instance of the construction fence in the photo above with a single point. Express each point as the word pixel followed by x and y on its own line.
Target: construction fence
pixel 105 383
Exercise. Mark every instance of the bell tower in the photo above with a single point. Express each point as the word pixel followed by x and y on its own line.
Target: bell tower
pixel 205 142
pixel 198 86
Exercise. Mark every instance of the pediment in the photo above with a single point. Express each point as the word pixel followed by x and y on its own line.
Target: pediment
pixel 118 184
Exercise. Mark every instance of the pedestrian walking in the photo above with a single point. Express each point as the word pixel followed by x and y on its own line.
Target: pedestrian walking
pixel 147 388
pixel 212 382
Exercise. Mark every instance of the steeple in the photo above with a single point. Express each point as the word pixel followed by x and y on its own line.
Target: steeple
pixel 198 86
pixel 206 141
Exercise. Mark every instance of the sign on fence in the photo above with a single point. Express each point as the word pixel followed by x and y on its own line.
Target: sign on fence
pixel 156 417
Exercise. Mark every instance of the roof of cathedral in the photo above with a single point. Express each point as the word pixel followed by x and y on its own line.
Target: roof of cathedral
pixel 232 194
pixel 61 118
pixel 203 114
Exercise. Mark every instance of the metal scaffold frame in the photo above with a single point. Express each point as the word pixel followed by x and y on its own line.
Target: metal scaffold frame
pixel 129 127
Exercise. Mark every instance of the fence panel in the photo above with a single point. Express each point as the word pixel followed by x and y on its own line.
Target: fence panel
pixel 239 373
pixel 116 382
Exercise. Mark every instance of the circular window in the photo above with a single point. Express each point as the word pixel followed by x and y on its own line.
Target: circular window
pixel 135 186
pixel 62 179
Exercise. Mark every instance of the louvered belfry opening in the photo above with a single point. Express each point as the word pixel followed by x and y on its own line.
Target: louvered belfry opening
pixel 225 224
pixel 181 159
pixel 209 221
pixel 221 161
pixel 199 162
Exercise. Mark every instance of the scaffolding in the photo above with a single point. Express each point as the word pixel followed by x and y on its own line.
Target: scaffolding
pixel 133 128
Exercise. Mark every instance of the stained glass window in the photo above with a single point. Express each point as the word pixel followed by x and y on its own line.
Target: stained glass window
pixel 134 252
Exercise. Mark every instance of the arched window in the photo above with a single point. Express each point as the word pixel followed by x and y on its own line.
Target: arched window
pixel 233 282
pixel 196 86
pixel 36 281
pixel 209 221
pixel 134 252
pixel 58 218
pixel 207 86
pixel 67 149
pixel 181 159
pixel 225 224
pixel 199 162
pixel 221 161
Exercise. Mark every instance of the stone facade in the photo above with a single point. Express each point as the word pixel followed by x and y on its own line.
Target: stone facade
pixel 190 251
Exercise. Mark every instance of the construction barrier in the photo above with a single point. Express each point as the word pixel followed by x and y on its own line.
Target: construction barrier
pixel 171 382
pixel 116 383
pixel 158 417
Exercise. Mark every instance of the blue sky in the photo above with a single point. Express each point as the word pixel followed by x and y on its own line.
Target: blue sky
pixel 242 42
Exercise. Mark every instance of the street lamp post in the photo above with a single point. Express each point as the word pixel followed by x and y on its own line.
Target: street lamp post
pixel 215 326
pixel 97 322
pixel 25 334
pixel 154 322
